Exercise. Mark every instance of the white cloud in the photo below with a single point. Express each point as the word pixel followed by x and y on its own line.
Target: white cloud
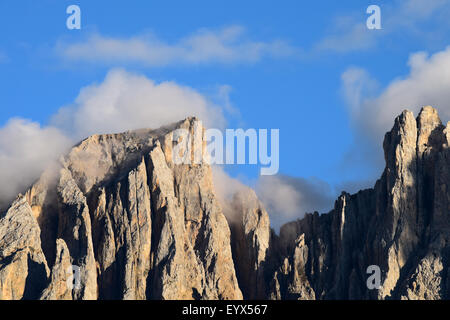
pixel 372 110
pixel 26 149
pixel 427 83
pixel 127 101
pixel 123 101
pixel 349 36
pixel 226 188
pixel 289 198
pixel 400 18
pixel 285 198
pixel 411 11
pixel 227 45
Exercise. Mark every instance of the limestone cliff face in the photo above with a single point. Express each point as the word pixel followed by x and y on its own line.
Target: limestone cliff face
pixel 130 223
pixel 118 219
pixel 401 225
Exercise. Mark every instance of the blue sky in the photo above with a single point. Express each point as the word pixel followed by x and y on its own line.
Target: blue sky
pixel 304 67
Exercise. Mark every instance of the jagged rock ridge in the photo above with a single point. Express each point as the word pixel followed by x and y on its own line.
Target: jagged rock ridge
pixel 137 226
pixel 401 225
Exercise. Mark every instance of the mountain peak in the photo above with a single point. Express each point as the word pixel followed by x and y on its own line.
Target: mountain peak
pixel 135 225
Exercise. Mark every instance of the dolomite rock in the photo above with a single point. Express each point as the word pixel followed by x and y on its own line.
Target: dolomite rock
pixel 136 225
pixel 58 289
pixel 401 225
pixel 140 226
pixel 250 242
pixel 23 268
pixel 122 235
pixel 74 227
pixel 292 277
pixel 194 241
pixel 426 281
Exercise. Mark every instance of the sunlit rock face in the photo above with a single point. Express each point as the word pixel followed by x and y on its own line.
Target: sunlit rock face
pixel 135 225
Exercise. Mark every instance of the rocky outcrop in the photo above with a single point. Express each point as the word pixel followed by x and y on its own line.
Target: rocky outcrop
pixel 118 218
pixel 62 277
pixel 251 240
pixel 23 268
pixel 290 281
pixel 400 226
pixel 119 214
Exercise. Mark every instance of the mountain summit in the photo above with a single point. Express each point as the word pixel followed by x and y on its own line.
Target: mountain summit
pixel 117 219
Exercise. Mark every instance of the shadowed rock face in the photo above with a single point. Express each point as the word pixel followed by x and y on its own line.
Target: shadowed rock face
pixel 401 225
pixel 137 226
